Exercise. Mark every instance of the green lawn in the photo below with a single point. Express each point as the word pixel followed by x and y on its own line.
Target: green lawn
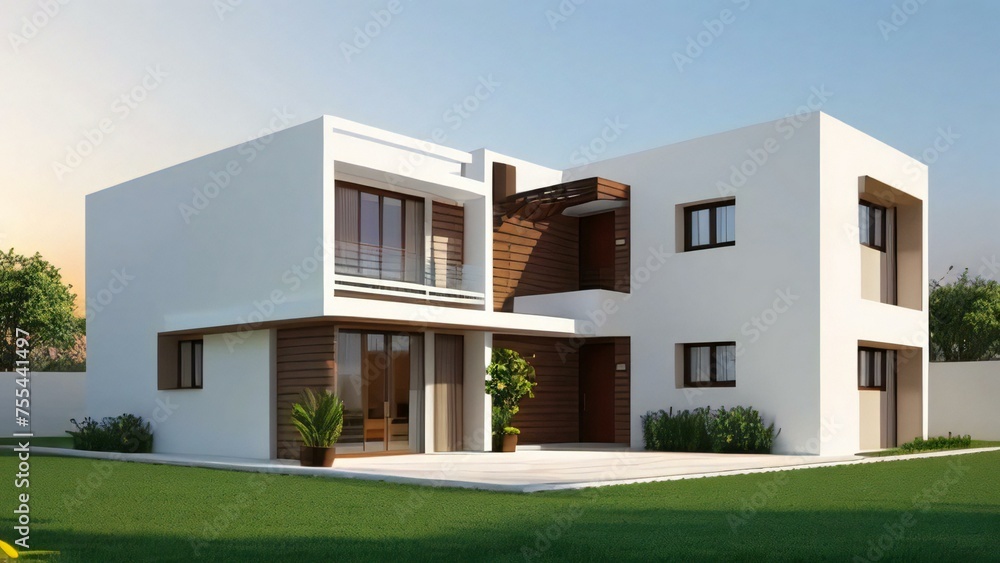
pixel 896 451
pixel 943 508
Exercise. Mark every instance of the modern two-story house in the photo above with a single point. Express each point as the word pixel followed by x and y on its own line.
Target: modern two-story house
pixel 782 266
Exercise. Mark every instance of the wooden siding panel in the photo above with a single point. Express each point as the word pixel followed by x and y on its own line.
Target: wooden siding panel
pixel 534 258
pixel 306 358
pixel 553 416
pixel 447 244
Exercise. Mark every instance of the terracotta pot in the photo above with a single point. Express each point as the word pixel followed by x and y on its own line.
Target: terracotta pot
pixel 509 442
pixel 316 457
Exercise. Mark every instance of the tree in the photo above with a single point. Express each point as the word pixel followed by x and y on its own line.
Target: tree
pixel 965 320
pixel 33 298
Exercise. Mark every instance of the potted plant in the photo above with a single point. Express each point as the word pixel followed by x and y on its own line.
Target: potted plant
pixel 319 418
pixel 511 379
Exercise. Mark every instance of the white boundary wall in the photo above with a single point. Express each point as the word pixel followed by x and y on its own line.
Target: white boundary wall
pixel 964 397
pixel 55 397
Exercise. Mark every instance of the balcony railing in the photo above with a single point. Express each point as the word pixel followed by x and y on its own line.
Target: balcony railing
pixel 368 268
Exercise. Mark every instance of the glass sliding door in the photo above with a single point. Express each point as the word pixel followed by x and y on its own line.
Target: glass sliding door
pixel 379 378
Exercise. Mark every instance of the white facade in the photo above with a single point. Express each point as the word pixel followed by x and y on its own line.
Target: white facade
pixel 237 244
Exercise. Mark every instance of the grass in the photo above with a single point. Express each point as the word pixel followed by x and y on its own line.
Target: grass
pixel 897 451
pixel 44 441
pixel 926 509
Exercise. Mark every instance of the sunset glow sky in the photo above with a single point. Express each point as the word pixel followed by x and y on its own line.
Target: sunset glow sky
pixel 95 93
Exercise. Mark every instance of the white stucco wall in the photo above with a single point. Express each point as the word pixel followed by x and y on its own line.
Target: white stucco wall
pixel 762 293
pixel 232 415
pixel 964 398
pixel 846 317
pixel 55 397
pixel 248 255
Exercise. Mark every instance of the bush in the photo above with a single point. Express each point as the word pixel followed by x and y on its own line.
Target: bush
pixel 939 443
pixel 738 430
pixel 126 433
pixel 319 418
pixel 686 431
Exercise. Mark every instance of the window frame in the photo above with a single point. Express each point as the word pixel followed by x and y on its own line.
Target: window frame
pixel 871 225
pixel 195 343
pixel 875 354
pixel 381 194
pixel 712 365
pixel 713 224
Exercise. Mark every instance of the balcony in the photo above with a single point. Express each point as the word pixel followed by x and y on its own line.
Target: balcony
pixel 395 272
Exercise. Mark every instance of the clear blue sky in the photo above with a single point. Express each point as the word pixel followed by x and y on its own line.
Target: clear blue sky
pixel 557 80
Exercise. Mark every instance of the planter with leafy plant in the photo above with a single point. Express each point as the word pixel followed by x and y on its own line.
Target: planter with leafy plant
pixel 319 418
pixel 511 379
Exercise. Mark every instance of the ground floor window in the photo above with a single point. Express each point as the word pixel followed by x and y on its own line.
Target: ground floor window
pixel 875 366
pixel 710 364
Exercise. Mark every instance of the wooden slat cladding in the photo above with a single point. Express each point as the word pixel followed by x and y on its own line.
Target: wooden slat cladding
pixel 623 252
pixel 623 390
pixel 447 244
pixel 306 358
pixel 536 248
pixel 553 416
pixel 534 258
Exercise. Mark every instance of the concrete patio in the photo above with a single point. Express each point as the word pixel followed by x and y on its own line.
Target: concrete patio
pixel 527 470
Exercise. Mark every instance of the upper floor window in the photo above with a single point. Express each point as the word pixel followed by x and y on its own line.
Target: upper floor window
pixel 871 225
pixel 710 365
pixel 379 234
pixel 710 225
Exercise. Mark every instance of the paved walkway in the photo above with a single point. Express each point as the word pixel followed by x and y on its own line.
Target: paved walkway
pixel 528 470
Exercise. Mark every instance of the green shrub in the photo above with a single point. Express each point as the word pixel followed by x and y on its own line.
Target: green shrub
pixel 319 418
pixel 126 433
pixel 686 431
pixel 939 443
pixel 737 430
pixel 740 430
pixel 511 379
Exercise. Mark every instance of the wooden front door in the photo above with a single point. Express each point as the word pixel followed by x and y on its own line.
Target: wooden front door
pixel 597 393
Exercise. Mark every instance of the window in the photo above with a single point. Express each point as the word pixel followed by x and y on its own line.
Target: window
pixel 871 225
pixel 710 365
pixel 379 234
pixel 189 364
pixel 710 225
pixel 875 367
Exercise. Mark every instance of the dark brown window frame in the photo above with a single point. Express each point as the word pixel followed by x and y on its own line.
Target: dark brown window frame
pixel 713 223
pixel 875 352
pixel 382 194
pixel 195 342
pixel 870 229
pixel 712 372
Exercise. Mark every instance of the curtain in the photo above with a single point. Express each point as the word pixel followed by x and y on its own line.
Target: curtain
pixel 725 363
pixel 413 242
pixel 346 238
pixel 889 401
pixel 889 284
pixel 448 373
